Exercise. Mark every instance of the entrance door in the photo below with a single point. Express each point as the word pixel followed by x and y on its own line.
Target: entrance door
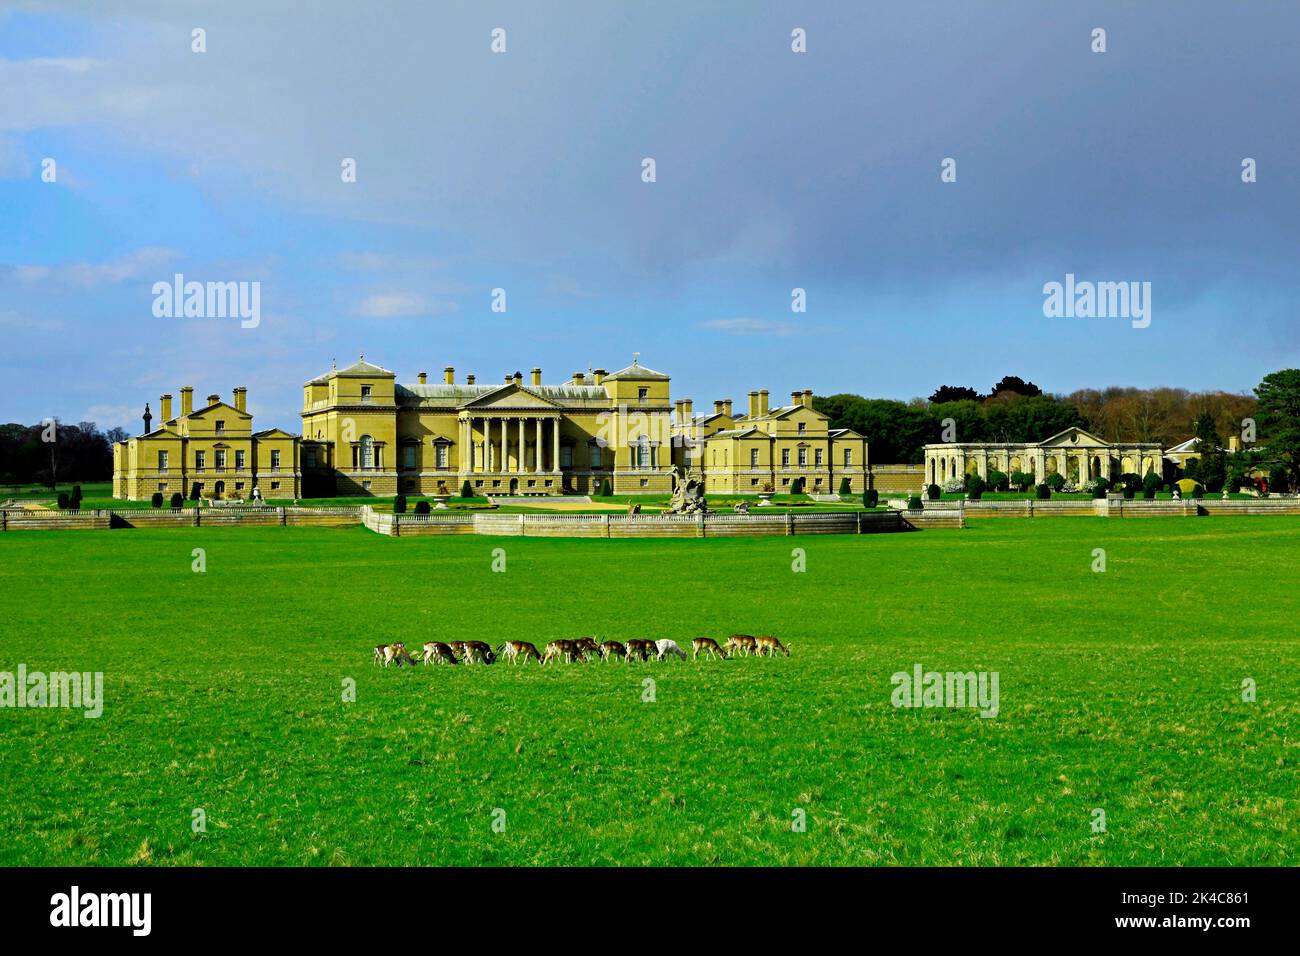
pixel 514 486
pixel 219 489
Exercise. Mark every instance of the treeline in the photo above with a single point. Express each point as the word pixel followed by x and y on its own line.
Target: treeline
pixel 50 453
pixel 1018 411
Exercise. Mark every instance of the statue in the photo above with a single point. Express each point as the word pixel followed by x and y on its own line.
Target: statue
pixel 688 498
pixel 742 508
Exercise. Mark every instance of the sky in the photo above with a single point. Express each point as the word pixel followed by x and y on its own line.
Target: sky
pixel 523 170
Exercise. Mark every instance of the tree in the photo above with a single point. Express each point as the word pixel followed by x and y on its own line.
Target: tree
pixel 845 487
pixel 399 505
pixel 178 501
pixel 954 393
pixel 466 490
pixel 1279 419
pixel 1014 383
pixel 1211 470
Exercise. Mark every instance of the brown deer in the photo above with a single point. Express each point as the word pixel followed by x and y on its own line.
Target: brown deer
pixel 612 649
pixel 458 649
pixel 477 652
pixel 437 651
pixel 561 649
pixel 397 652
pixel 379 653
pixel 707 646
pixel 744 644
pixel 638 650
pixel 768 645
pixel 512 651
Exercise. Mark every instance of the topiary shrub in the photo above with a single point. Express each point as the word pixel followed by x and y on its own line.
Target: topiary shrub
pixel 178 501
pixel 1278 482
pixel 933 492
pixel 1100 486
pixel 157 499
pixel 466 490
pixel 846 488
pixel 870 498
pixel 1129 491
pixel 955 485
pixel 422 507
pixel 399 505
pixel 1020 480
pixel 914 502
pixel 1055 481
pixel 1043 491
pixel 76 496
pixel 1150 485
pixel 975 487
pixel 997 481
pixel 796 486
pixel 606 489
pixel 195 493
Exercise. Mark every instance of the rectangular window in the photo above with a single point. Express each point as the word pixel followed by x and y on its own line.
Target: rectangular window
pixel 595 455
pixel 221 427
pixel 275 459
pixel 365 394
pixel 817 457
pixel 803 457
pixel 641 454
pixel 162 461
pixel 408 456
pixel 239 460
pixel 803 427
pixel 753 458
pixel 642 394
pixel 310 460
pixel 848 457
pixel 221 458
pixel 275 486
pixel 785 457
pixel 441 455
pixel 566 456
pixel 199 458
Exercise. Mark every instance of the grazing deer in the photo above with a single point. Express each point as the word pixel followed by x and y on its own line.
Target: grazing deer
pixel 437 651
pixel 513 650
pixel 397 652
pixel 612 649
pixel 379 653
pixel 666 647
pixel 741 644
pixel 769 645
pixel 477 652
pixel 638 650
pixel 458 649
pixel 568 650
pixel 707 646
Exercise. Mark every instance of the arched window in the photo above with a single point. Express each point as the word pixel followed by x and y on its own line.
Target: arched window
pixel 367 452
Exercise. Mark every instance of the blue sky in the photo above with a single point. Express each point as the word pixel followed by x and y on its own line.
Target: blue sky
pixel 522 171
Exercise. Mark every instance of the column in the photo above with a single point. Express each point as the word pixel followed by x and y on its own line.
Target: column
pixel 461 464
pixel 537 464
pixel 522 464
pixel 487 439
pixel 555 444
pixel 502 465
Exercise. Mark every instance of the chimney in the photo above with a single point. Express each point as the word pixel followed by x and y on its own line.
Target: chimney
pixel 753 404
pixel 423 378
pixel 677 410
pixel 717 406
pixel 519 378
pixel 578 379
pixel 537 376
pixel 726 407
pixel 509 379
pixel 688 408
pixel 187 399
pixel 807 398
pixel 762 403
pixel 449 375
pixel 796 398
pixel 165 408
pixel 469 379
pixel 241 398
pixel 600 376
pixel 214 398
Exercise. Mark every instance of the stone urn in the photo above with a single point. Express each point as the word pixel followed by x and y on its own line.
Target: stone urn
pixel 765 499
pixel 440 501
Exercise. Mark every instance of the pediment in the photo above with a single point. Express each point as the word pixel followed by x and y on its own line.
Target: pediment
pixel 1074 438
pixel 512 397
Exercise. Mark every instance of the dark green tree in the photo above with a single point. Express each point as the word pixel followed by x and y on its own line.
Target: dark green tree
pixel 1279 419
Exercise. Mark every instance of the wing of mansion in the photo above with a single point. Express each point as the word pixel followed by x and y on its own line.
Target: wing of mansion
pixel 365 434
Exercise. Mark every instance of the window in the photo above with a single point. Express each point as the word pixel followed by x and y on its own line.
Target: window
pixel 310 458
pixel 785 457
pixel 641 453
pixel 440 454
pixel 365 394
pixel 275 459
pixel 817 457
pixel 594 449
pixel 239 461
pixel 365 486
pixel 367 451
pixel 803 457
pixel 275 486
pixel 848 457
pixel 803 427
pixel 220 455
pixel 162 461
pixel 239 486
pixel 162 486
pixel 753 458
pixel 566 456
pixel 408 456
pixel 642 394
pixel 199 458
pixel 221 427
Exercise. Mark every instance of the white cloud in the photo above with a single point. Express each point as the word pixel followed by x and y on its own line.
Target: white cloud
pixel 395 305
pixel 747 326
pixel 142 263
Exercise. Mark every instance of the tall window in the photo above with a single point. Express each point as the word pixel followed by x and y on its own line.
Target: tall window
pixel 221 458
pixel 275 459
pixel 803 457
pixel 367 451
pixel 309 459
pixel 817 457
pixel 641 453
pixel 566 456
pixel 753 458
pixel 785 457
pixel 199 458
pixel 239 460
pixel 642 394
pixel 408 456
pixel 848 457
pixel 162 461
pixel 440 456
pixel 365 394
pixel 803 427
pixel 594 458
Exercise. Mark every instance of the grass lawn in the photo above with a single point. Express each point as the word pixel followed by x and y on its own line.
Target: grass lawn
pixel 1118 690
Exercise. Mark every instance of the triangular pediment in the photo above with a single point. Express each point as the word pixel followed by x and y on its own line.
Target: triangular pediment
pixel 219 406
pixel 512 397
pixel 1074 438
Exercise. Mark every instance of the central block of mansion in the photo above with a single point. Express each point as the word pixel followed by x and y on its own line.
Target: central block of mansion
pixel 365 434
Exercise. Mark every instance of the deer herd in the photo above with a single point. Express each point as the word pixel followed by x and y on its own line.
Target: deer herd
pixel 580 649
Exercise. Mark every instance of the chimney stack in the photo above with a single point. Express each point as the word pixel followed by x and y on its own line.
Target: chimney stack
pixel 241 398
pixel 165 408
pixel 796 398
pixel 187 399
pixel 717 406
pixel 423 378
pixel 762 403
pixel 537 376
pixel 688 408
pixel 508 378
pixel 600 376
pixel 578 379
pixel 469 379
pixel 807 398
pixel 753 404
pixel 214 398
pixel 677 410
pixel 449 375
pixel 518 378
pixel 726 407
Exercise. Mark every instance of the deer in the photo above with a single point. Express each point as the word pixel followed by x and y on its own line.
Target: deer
pixel 397 652
pixel 741 644
pixel 556 649
pixel 768 645
pixel 437 651
pixel 477 652
pixel 512 651
pixel 707 646
pixel 587 646
pixel 638 650
pixel 379 653
pixel 667 647
pixel 612 649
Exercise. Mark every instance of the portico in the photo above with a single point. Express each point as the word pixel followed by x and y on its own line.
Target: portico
pixel 1075 453
pixel 510 444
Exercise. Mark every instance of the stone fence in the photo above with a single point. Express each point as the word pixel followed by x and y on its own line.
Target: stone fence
pixel 1116 507
pixel 41 520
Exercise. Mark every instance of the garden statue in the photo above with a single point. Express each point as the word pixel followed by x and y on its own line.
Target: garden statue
pixel 688 498
pixel 742 508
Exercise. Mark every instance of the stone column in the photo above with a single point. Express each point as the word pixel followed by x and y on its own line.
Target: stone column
pixel 555 445
pixel 504 464
pixel 537 464
pixel 487 443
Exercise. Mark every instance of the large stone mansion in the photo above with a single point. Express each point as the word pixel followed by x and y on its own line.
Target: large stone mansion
pixel 365 434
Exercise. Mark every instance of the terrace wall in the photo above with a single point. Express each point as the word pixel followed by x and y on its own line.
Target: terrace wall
pixel 37 520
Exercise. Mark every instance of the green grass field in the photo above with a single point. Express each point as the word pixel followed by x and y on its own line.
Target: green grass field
pixel 1118 690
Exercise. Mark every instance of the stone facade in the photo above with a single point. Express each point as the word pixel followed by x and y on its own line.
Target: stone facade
pixel 1075 453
